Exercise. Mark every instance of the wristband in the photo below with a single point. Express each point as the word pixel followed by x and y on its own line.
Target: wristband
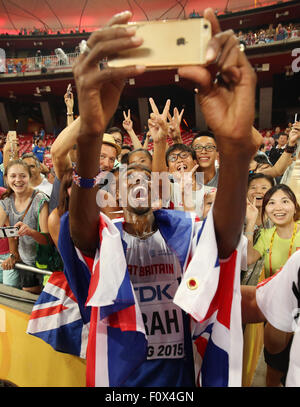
pixel 290 149
pixel 86 182
pixel 70 114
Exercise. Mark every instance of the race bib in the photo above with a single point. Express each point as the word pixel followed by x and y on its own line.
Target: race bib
pixel 162 319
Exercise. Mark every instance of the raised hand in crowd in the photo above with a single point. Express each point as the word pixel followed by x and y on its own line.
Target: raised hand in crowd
pixel 69 102
pixel 127 122
pixel 294 134
pixel 146 141
pixel 10 148
pixel 158 130
pixel 128 126
pixel 157 123
pixel 174 125
pixel 285 159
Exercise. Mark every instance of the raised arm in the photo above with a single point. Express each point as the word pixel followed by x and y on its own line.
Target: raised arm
pixel 146 142
pixel 174 126
pixel 69 102
pixel 285 159
pixel 10 149
pixel 98 97
pixel 61 147
pixel 228 107
pixel 158 129
pixel 128 126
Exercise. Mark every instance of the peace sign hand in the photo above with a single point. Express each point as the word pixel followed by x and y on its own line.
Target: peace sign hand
pixel 127 122
pixel 157 123
pixel 174 124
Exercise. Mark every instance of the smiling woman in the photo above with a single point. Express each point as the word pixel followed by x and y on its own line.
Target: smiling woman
pixel 275 246
pixel 278 243
pixel 19 207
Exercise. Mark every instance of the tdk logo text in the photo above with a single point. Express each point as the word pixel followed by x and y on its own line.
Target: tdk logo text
pixel 151 293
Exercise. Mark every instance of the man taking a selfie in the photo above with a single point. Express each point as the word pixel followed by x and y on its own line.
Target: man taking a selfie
pixel 130 334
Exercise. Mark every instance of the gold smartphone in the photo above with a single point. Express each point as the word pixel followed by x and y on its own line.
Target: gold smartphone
pixel 167 44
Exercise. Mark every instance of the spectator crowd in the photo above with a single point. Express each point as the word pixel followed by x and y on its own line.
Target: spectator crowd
pixel 269 35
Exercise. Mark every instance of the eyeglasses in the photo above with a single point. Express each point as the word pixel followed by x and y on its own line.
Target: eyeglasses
pixel 208 148
pixel 174 157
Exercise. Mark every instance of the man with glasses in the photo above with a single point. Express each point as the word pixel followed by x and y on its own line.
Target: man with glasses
pixel 186 186
pixel 36 180
pixel 205 146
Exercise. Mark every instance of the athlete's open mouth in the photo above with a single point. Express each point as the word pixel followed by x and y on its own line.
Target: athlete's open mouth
pixel 138 196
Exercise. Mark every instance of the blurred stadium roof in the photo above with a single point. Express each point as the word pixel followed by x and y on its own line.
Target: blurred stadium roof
pixel 66 15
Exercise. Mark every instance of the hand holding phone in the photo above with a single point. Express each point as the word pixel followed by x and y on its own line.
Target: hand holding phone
pixel 9 231
pixel 167 44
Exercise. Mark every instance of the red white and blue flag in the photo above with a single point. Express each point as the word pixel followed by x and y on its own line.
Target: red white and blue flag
pixel 57 320
pixel 215 306
pixel 117 343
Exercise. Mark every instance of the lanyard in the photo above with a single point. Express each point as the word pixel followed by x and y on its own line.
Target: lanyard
pixel 290 249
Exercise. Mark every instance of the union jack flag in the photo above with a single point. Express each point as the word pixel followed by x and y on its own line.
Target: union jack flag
pixel 56 318
pixel 117 342
pixel 215 308
pixel 209 292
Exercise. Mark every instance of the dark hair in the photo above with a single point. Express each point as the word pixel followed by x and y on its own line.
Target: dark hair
pixel 10 164
pixel 63 201
pixel 143 150
pixel 126 147
pixel 287 190
pixel 32 155
pixel 260 175
pixel 135 166
pixel 115 130
pixel 204 133
pixel 180 147
pixel 124 159
pixel 261 159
